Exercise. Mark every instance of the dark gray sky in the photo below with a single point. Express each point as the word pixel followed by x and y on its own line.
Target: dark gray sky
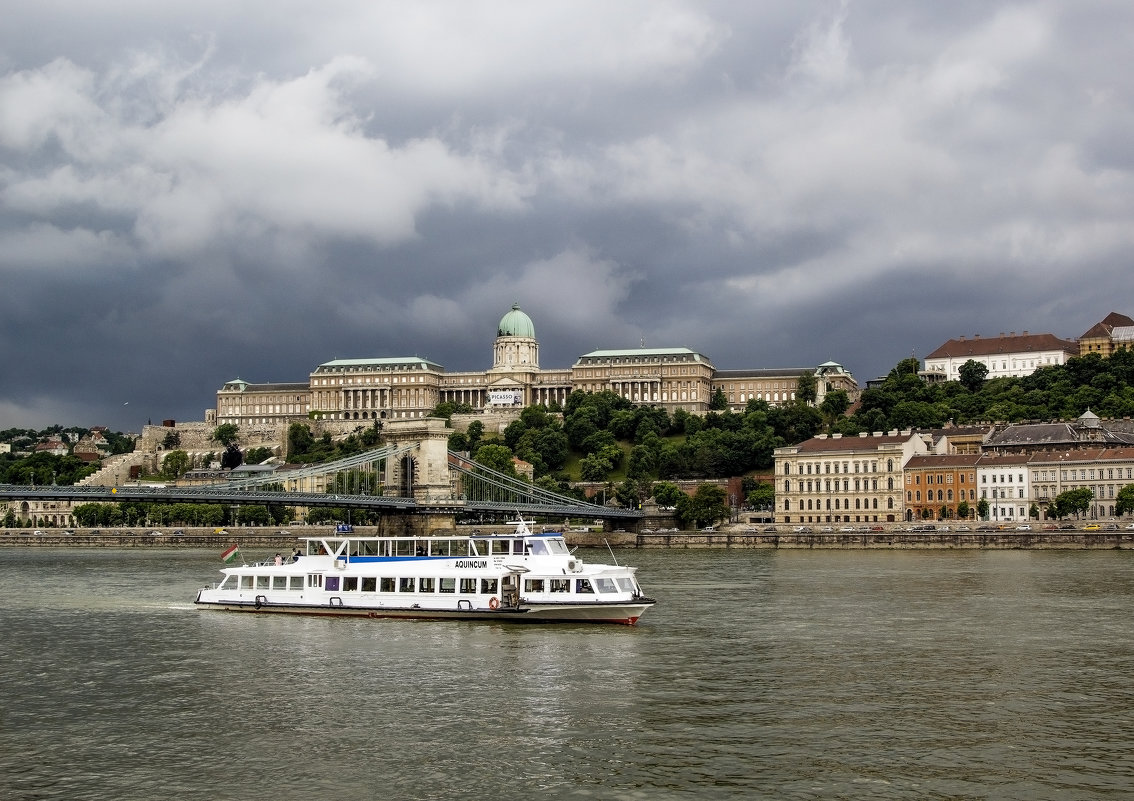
pixel 194 192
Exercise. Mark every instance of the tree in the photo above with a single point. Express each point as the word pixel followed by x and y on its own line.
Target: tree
pixel 763 496
pixel 718 401
pixel 226 434
pixel 705 507
pixel 1125 501
pixel 972 375
pixel 982 509
pixel 835 403
pixel 807 388
pixel 495 457
pixel 666 493
pixel 171 440
pixel 232 457
pixel 258 455
pixel 595 467
pixel 963 510
pixel 175 464
pixel 1075 501
pixel 299 439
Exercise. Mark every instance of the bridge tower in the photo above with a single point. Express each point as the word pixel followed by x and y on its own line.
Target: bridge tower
pixel 423 474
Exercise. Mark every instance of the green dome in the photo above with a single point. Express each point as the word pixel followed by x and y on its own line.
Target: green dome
pixel 516 324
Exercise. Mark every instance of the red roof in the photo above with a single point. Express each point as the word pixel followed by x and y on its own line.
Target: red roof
pixel 1106 325
pixel 1011 343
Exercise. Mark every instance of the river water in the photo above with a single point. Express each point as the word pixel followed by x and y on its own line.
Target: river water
pixel 760 674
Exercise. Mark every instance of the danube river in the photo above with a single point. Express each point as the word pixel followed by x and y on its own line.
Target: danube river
pixel 760 674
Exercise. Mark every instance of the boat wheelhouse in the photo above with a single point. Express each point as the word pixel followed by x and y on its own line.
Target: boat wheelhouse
pixel 521 576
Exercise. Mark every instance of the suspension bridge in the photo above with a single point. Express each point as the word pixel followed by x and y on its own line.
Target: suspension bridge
pixel 413 475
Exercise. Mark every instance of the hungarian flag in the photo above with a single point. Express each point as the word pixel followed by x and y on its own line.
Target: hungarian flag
pixel 230 554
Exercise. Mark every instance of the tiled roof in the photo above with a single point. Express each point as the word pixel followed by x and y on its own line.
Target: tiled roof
pixel 941 460
pixel 869 442
pixel 1011 343
pixel 1104 326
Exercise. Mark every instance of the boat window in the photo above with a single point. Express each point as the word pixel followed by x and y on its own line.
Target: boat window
pixel 314 579
pixel 405 584
pixel 488 586
pixel 468 586
pixel 426 585
pixel 537 548
pixel 350 583
pixel 626 584
pixel 439 547
pixel 297 582
pixel 533 585
pixel 368 548
pixel 459 548
pixel 583 585
pixel 335 545
pixel 605 585
pixel 247 582
pixel 224 584
pixel 331 584
pixel 279 582
pixel 501 546
pixel 263 582
pixel 557 546
pixel 369 584
pixel 404 548
pixel 448 584
pixel 561 585
pixel 517 547
pixel 475 549
pixel 385 584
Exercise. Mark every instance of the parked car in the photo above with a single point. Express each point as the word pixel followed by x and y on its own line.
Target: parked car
pixel 1092 527
pixel 1024 527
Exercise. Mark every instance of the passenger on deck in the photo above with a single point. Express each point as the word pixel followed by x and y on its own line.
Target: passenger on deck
pixel 279 559
pixel 295 555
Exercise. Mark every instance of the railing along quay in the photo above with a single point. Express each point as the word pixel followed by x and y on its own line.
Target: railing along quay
pixel 889 539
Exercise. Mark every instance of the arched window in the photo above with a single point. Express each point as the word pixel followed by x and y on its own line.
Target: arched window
pixel 889 503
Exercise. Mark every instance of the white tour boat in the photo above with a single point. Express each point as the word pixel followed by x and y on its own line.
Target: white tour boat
pixel 521 576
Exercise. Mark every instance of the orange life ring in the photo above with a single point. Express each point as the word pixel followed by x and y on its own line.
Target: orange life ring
pixel 493 602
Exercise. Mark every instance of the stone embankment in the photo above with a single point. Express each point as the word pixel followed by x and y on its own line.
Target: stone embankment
pixel 723 539
pixel 889 540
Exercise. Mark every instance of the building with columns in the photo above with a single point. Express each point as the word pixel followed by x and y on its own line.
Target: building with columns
pixel 405 388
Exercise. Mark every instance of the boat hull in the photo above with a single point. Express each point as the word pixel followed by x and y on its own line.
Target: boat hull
pixel 619 613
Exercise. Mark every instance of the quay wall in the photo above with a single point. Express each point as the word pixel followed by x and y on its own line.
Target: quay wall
pixel 1001 540
pixel 276 539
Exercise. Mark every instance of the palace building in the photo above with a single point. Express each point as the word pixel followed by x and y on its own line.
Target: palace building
pixel 410 387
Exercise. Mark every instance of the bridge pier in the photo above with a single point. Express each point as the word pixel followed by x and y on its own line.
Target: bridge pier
pixel 424 474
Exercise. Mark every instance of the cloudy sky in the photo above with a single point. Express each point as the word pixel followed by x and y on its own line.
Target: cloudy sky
pixel 194 192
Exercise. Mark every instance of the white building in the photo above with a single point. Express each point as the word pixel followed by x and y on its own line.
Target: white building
pixel 1006 355
pixel 1005 482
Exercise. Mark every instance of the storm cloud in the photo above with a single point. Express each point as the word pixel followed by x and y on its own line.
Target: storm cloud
pixel 191 193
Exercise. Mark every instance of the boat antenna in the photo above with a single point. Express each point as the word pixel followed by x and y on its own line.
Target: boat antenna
pixel 612 556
